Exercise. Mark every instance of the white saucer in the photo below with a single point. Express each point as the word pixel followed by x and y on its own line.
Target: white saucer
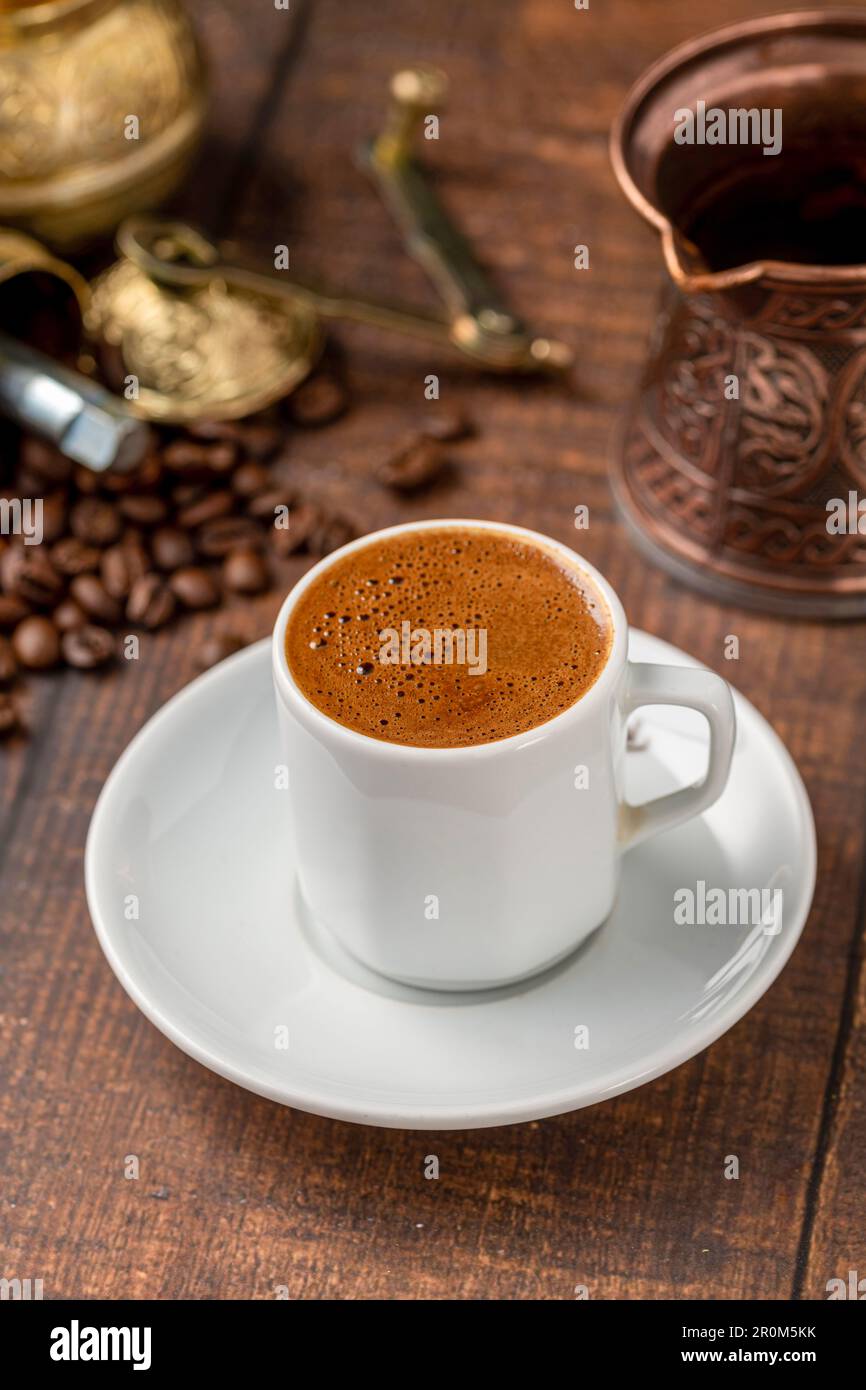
pixel 221 959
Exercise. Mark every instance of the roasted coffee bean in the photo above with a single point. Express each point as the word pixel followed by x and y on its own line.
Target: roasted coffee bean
pixel 186 493
pixel 288 540
pixel 8 716
pixel 216 648
pixel 54 517
pixel 91 594
pixel 8 664
pixel 85 648
pixel 447 426
pixel 28 483
pixel 27 573
pixel 95 521
pixel 329 533
pixel 121 565
pixel 86 482
pixel 249 479
pixel 260 439
pixel 200 460
pixel 417 464
pixel 194 587
pixel 46 460
pixel 245 572
pixel 149 473
pixel 318 401
pixel 151 602
pixel 143 509
pixel 36 643
pixel 210 430
pixel 114 571
pixel 144 478
pixel 12 610
pixel 187 458
pixel 118 484
pixel 210 507
pixel 265 505
pixel 68 615
pixel 221 458
pixel 181 452
pixel 70 557
pixel 217 538
pixel 171 548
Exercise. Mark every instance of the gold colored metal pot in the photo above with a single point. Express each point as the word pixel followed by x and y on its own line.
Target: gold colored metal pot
pixel 72 74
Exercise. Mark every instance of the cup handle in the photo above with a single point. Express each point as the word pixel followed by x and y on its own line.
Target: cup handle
pixel 649 684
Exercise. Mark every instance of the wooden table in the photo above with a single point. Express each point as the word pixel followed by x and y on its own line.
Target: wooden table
pixel 237 1195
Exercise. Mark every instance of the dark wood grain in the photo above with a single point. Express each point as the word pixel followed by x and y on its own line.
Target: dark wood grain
pixel 237 1195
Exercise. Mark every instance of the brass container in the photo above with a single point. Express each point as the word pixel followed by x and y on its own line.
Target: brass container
pixel 72 74
pixel 748 427
pixel 43 300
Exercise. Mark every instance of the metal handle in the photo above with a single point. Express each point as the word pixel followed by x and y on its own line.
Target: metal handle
pixel 84 420
pixel 481 322
pixel 178 256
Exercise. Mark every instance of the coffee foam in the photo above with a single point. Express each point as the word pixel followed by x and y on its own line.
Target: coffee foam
pixel 548 636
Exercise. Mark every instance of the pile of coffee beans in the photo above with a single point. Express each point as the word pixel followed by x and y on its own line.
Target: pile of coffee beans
pixel 200 519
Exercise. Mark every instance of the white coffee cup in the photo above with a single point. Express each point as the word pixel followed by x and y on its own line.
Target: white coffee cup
pixel 469 867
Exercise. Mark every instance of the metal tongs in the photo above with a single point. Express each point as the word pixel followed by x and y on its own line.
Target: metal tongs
pixel 473 318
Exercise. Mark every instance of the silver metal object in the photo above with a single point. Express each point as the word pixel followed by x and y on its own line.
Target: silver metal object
pixel 84 420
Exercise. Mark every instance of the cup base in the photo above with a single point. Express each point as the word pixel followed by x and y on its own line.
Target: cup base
pixel 330 947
